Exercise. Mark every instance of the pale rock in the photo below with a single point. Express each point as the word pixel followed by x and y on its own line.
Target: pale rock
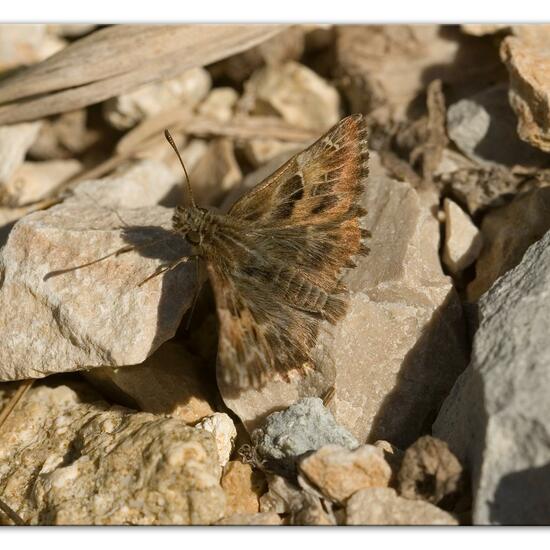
pixel 507 233
pixel 483 126
pixel 96 315
pixel 67 458
pixel 71 30
pixel 265 518
pixel 33 181
pixel 338 472
pixel 15 141
pixel 223 429
pixel 496 419
pixel 26 44
pixel 429 471
pixel 219 104
pixel 527 58
pixel 188 89
pixel 400 348
pixel 169 382
pixel 243 487
pixel 280 496
pixel 482 29
pixel 295 93
pixel 463 240
pixel 287 435
pixel 260 151
pixel 382 506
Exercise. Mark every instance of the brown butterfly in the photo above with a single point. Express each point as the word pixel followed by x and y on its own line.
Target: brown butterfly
pixel 276 259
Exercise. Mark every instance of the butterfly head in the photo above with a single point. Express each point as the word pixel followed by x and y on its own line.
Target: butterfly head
pixel 191 222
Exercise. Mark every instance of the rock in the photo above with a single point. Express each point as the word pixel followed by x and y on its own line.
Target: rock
pixel 32 181
pixel 305 426
pixel 96 315
pixel 243 488
pixel 429 471
pixel 311 510
pixel 382 506
pixel 188 89
pixel 71 30
pixel 496 419
pixel 477 29
pixel 483 127
pixel 267 518
pixel 338 472
pixel 260 151
pixel 392 455
pixel 295 93
pixel 507 233
pixel 26 44
pixel 280 496
pixel 463 241
pixel 15 141
pixel 527 58
pixel 223 429
pixel 69 459
pixel 169 382
pixel 400 348
pixel 219 104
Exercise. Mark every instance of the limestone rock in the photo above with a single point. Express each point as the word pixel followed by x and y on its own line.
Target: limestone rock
pixel 305 426
pixel 96 315
pixel 188 89
pixel 243 488
pixel 338 472
pixel 382 506
pixel 223 429
pixel 527 58
pixel 507 233
pixel 429 471
pixel 72 460
pixel 463 241
pixel 295 93
pixel 15 141
pixel 219 104
pixel 265 518
pixel 169 382
pixel 497 417
pixel 483 127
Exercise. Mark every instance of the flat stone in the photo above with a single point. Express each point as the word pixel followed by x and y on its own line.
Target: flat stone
pixel 96 315
pixel 68 459
pixel 224 431
pixel 507 232
pixel 429 471
pixel 261 518
pixel 243 487
pixel 463 240
pixel 496 419
pixel 305 426
pixel 338 472
pixel 382 506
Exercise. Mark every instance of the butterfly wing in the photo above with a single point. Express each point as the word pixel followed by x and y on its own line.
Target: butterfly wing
pixel 300 229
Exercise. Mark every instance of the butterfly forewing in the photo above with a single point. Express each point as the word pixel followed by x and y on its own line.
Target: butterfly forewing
pixel 289 240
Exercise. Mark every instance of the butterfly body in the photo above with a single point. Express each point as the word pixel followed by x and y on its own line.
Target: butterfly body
pixel 276 259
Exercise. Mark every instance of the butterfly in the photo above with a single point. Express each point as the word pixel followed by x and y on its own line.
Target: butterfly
pixel 276 259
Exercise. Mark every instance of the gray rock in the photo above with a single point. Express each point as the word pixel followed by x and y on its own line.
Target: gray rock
pixel 497 417
pixel 305 426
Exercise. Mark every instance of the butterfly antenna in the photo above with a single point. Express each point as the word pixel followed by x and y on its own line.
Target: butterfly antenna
pixel 170 140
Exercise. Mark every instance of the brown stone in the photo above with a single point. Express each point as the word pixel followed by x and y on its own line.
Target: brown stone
pixel 243 487
pixel 261 518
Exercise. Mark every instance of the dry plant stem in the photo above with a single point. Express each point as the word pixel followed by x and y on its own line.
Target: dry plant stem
pixel 12 514
pixel 14 400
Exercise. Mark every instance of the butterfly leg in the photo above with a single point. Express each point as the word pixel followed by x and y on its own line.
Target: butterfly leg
pixel 167 267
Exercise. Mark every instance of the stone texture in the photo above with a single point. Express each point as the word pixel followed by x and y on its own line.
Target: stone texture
pixel 68 458
pixel 338 472
pixel 382 506
pixel 223 429
pixel 305 426
pixel 265 518
pixel 463 240
pixel 429 471
pixel 188 89
pixel 15 141
pixel 481 29
pixel 400 348
pixel 219 104
pixel 97 315
pixel 527 58
pixel 497 417
pixel 507 233
pixel 169 382
pixel 243 487
pixel 483 127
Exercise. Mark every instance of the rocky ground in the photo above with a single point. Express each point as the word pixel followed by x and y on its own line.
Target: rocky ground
pixel 430 403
